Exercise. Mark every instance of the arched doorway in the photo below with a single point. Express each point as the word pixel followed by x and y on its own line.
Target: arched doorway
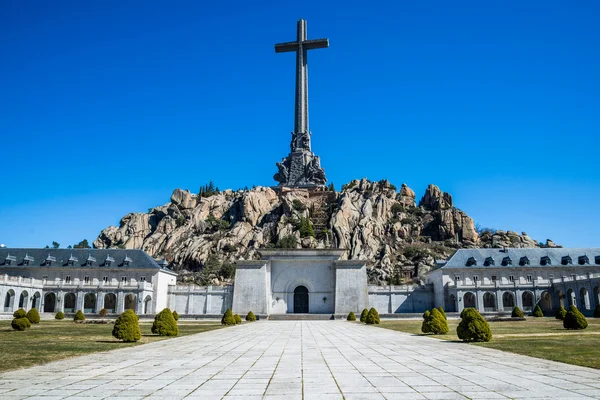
pixel 508 301
pixel 110 302
pixel 527 298
pixel 49 302
pixel 301 300
pixel 546 301
pixel 147 302
pixel 451 306
pixel 89 303
pixel 23 299
pixel 70 302
pixel 584 299
pixel 35 303
pixel 469 300
pixel 130 302
pixel 9 301
pixel 489 302
pixel 597 295
pixel 571 300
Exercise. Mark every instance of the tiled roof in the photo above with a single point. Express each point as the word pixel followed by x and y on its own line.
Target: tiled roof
pixel 553 257
pixel 77 257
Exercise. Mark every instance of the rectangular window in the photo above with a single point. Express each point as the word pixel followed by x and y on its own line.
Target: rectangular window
pixel 44 276
pixel 86 279
pixel 475 278
pixel 574 277
pixel 105 279
pixel 511 278
pixel 493 278
pixel 551 276
pixel 529 278
pixel 142 279
pixel 456 278
pixel 68 279
pixel 124 279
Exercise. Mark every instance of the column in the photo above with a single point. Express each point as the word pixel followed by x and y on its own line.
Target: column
pixel 99 301
pixel 120 302
pixel 208 299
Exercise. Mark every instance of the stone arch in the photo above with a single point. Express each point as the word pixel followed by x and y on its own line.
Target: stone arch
pixel 508 301
pixel 69 302
pixel 35 303
pixel 469 300
pixel 584 299
pixel 546 301
pixel 89 303
pixel 527 298
pixel 130 300
pixel 489 302
pixel 301 300
pixel 148 305
pixel 49 302
pixel 24 299
pixel 9 301
pixel 110 302
pixel 571 299
pixel 451 306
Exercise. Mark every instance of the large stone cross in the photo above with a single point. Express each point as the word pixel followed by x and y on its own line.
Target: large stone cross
pixel 301 140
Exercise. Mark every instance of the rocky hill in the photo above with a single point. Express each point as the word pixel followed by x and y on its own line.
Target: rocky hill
pixel 200 236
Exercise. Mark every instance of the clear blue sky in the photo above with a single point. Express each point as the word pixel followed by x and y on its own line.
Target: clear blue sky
pixel 107 106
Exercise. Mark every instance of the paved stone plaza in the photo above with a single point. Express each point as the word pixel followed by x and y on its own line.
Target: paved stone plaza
pixel 308 359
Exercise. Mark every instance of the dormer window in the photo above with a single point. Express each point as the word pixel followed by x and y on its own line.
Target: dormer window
pixel 127 261
pixel 109 260
pixel 49 260
pixel 545 260
pixel 524 261
pixel 489 261
pixel 597 260
pixel 582 260
pixel 471 261
pixel 28 259
pixel 72 260
pixel 506 261
pixel 10 259
pixel 566 260
pixel 90 261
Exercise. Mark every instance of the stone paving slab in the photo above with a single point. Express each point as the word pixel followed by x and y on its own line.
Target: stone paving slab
pixel 302 360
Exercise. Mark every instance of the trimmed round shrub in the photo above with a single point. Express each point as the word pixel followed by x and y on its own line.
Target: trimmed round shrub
pixel 473 327
pixel 574 319
pixel 175 316
pixel 59 315
pixel 20 313
pixel 441 310
pixel 517 313
pixel 33 316
pixel 79 316
pixel 597 311
pixel 434 322
pixel 537 312
pixel 351 316
pixel 164 324
pixel 20 324
pixel 363 315
pixel 237 318
pixel 103 313
pixel 561 313
pixel 373 317
pixel 250 317
pixel 127 327
pixel 228 318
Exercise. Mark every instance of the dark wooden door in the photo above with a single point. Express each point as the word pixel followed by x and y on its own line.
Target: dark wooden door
pixel 301 300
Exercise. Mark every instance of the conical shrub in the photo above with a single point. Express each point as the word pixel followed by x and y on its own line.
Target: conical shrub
pixel 250 317
pixel 537 312
pixel 517 313
pixel 59 315
pixel 561 313
pixel 164 324
pixel 373 317
pixel 103 313
pixel 127 327
pixel 575 319
pixel 597 311
pixel 351 316
pixel 363 315
pixel 20 324
pixel 425 326
pixel 434 322
pixel 441 310
pixel 237 319
pixel 175 316
pixel 228 318
pixel 79 316
pixel 33 316
pixel 473 327
pixel 20 313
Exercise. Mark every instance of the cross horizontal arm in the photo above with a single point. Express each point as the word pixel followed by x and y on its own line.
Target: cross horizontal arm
pixel 285 47
pixel 315 44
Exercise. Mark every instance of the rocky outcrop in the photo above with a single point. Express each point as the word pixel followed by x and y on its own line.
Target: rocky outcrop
pixel 372 220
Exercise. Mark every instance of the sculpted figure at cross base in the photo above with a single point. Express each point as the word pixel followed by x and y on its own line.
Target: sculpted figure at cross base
pixel 301 167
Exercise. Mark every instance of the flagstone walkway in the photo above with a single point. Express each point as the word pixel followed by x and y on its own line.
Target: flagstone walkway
pixel 302 360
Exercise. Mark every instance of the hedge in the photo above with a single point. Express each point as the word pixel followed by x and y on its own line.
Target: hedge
pixel 250 317
pixel 561 313
pixel 473 327
pixel 363 315
pixel 20 324
pixel 517 313
pixel 574 319
pixel 59 315
pixel 373 317
pixel 537 312
pixel 33 316
pixel 20 313
pixel 351 316
pixel 79 316
pixel 164 324
pixel 127 327
pixel 228 318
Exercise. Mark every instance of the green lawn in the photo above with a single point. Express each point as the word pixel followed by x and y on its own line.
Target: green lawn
pixel 54 340
pixel 537 337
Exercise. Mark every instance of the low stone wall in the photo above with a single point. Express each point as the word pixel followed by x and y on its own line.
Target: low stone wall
pixel 200 300
pixel 401 298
